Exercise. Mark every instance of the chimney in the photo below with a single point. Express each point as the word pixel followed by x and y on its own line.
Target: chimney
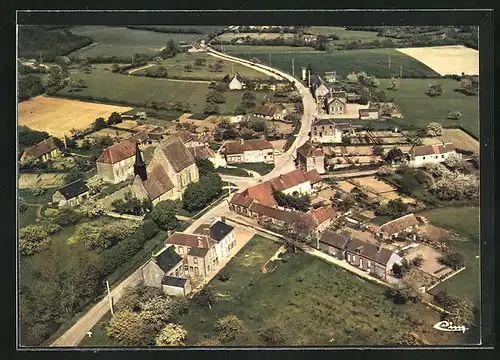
pixel 241 141
pixel 223 219
pixel 206 231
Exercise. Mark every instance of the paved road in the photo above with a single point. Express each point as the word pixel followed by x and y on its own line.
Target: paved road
pixel 76 333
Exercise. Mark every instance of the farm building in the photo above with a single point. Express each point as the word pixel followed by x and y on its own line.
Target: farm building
pixel 370 257
pixel 115 164
pixel 368 114
pixel 171 170
pixel 248 151
pixel 72 194
pixel 223 235
pixel 431 154
pixel 333 244
pixel 322 217
pixel 325 131
pixel 403 225
pixel 310 157
pixel 43 151
pixel 271 111
pixel 331 76
pixel 164 264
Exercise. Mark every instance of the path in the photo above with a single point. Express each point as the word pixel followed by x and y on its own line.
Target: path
pixel 139 68
pixel 349 174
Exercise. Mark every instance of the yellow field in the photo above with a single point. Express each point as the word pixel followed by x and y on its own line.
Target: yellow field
pixel 377 185
pixel 447 60
pixel 59 116
pixel 461 140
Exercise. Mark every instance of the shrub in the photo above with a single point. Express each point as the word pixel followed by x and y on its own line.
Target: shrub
pixel 453 259
pixel 164 215
pixel 92 209
pixel 224 275
pixel 171 335
pixel 229 328
pixel 272 335
pixel 149 229
pixel 22 205
pixel 32 239
pixel 67 217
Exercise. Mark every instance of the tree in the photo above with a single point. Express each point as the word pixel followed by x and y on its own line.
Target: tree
pixel 205 298
pixel 130 329
pixel 453 259
pixel 211 108
pixel 149 229
pixel 158 311
pixel 405 292
pixel 32 239
pixel 393 84
pixel 215 96
pixel 198 195
pixel 272 335
pixel 461 309
pixel 199 62
pixel 114 118
pixel 455 162
pixel 204 166
pixel 170 50
pixel 417 261
pixel 22 205
pixel 99 124
pixel 434 90
pixel 171 335
pixel 164 215
pixel 229 328
pixel 72 176
pixel 67 217
pixel 434 129
pixel 395 155
pixel 394 208
pixel 302 230
pixel 134 296
pixel 468 85
pixel 92 209
pixel 454 115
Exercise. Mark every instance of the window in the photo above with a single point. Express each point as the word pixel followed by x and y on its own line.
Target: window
pixel 191 269
pixel 208 267
pixel 423 158
pixel 195 260
pixel 180 249
pixel 442 156
pixel 196 271
pixel 435 157
pixel 330 127
pixel 354 258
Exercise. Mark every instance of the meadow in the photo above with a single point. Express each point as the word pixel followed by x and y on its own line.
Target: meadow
pixel 175 68
pixel 420 109
pixel 141 90
pixel 248 50
pixel 345 35
pixel 374 62
pixel 121 41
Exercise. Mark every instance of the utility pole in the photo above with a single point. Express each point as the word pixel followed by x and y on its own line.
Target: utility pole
pixel 110 299
pixel 309 78
pixel 270 63
pixel 64 137
pixel 389 61
pixel 401 72
pixel 293 68
pixel 40 57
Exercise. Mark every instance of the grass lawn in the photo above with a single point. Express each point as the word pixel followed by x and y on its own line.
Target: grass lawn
pixel 27 194
pixel 419 109
pixel 345 35
pixel 373 61
pixel 140 90
pixel 315 302
pixel 120 41
pixel 232 171
pixel 175 68
pixel 28 217
pixel 465 222
pixel 261 168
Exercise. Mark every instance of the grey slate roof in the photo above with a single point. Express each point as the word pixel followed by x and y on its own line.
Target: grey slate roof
pixel 173 281
pixel 333 239
pixel 167 259
pixel 73 189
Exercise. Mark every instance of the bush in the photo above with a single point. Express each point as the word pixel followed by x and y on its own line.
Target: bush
pixel 229 328
pixel 149 229
pixel 32 239
pixel 67 217
pixel 224 275
pixel 272 335
pixel 164 215
pixel 453 259
pixel 22 205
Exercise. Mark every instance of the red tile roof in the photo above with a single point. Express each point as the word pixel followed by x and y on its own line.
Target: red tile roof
pixel 288 180
pixel 43 147
pixel 240 146
pixel 309 150
pixel 262 193
pixel 118 152
pixel 433 149
pixel 190 240
pixel 157 182
pixel 313 176
pixel 322 214
pixel 203 152
pixel 399 224
pixel 241 199
pixel 176 153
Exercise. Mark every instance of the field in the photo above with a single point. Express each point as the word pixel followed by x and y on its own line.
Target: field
pixel 345 35
pixel 461 140
pixel 267 36
pixel 30 181
pixel 120 41
pixel 375 184
pixel 175 68
pixel 314 302
pixel 447 60
pixel 374 62
pixel 465 222
pixel 249 50
pixel 420 109
pixel 59 116
pixel 140 90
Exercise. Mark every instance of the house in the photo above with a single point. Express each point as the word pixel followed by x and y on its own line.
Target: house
pixel 116 163
pixel 336 103
pixel 199 262
pixel 195 48
pixel 235 81
pixel 431 154
pixel 368 114
pixel 295 181
pixel 352 98
pixel 372 258
pixel 43 151
pixel 322 217
pixel 330 76
pixel 190 139
pixel 271 111
pixel 308 38
pixel 310 157
pixel 203 152
pixel 403 225
pixel 223 234
pixel 248 151
pixel 183 242
pixel 267 215
pixel 72 194
pixel 163 265
pixel 325 131
pixel 333 244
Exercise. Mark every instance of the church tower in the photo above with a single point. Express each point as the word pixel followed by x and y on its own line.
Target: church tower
pixel 139 165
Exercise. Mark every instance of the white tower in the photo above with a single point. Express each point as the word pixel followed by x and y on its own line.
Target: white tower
pixel 304 71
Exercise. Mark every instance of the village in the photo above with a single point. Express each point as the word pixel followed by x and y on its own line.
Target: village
pixel 317 167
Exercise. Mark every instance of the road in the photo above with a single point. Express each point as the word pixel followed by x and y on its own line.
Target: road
pixel 284 163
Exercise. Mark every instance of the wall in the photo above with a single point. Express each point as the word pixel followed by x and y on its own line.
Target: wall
pixel 326 134
pixel 118 172
pixel 303 188
pixel 254 156
pixel 174 290
pixel 152 274
pixel 419 161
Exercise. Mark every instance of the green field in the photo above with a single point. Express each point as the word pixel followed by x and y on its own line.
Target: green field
pixel 315 302
pixel 250 50
pixel 341 32
pixel 120 41
pixel 465 222
pixel 419 109
pixel 140 90
pixel 374 62
pixel 175 68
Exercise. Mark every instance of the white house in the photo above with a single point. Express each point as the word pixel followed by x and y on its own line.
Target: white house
pixel 296 181
pixel 235 82
pixel 368 114
pixel 431 154
pixel 325 131
pixel 249 151
pixel 223 234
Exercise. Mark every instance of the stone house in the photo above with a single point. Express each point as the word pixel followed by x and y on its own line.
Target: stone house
pixel 116 163
pixel 271 111
pixel 310 157
pixel 72 194
pixel 404 225
pixel 43 151
pixel 431 154
pixel 183 243
pixel 164 271
pixel 336 106
pixel 248 151
pixel 325 131
pixel 199 262
pixel 223 234
pixel 372 258
pixel 266 215
pixel 333 243
pixel 322 217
